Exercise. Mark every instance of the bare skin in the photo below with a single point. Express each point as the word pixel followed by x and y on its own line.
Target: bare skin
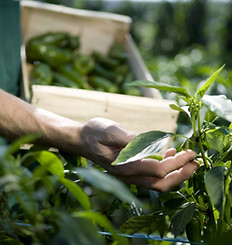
pixel 99 140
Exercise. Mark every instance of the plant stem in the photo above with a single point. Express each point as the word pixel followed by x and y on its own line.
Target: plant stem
pixel 200 143
pixel 194 125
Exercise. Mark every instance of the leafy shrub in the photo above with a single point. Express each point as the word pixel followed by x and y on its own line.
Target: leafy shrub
pixel 44 200
pixel 201 208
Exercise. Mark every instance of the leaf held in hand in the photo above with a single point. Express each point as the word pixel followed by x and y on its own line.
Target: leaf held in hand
pixel 142 146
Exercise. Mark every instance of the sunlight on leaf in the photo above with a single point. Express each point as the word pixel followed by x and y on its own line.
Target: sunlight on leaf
pixel 220 105
pixel 50 161
pixel 203 89
pixel 161 86
pixel 143 145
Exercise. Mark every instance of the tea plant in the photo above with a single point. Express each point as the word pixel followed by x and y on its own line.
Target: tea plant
pixel 201 208
pixel 43 198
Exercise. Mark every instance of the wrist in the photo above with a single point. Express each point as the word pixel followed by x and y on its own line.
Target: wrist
pixel 59 132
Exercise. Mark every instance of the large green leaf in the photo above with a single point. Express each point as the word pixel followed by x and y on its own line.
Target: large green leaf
pixel 161 86
pixel 53 164
pixel 108 184
pixel 220 105
pixel 77 192
pixel 182 218
pixel 143 145
pixel 214 183
pixel 203 89
pixel 50 161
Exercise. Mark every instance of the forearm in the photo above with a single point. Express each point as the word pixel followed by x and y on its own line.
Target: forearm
pixel 18 118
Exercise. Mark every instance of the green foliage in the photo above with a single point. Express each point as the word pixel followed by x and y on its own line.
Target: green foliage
pixel 205 200
pixel 43 199
pixel 108 184
pixel 182 218
pixel 214 183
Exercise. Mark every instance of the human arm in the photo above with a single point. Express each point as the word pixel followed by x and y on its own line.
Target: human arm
pixel 99 140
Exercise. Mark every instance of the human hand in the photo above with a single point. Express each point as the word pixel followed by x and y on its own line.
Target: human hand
pixel 103 139
pixel 159 175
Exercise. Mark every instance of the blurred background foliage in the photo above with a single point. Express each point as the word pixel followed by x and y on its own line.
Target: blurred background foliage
pixel 182 42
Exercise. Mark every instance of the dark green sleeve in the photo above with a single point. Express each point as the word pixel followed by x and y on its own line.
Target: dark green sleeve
pixel 10 41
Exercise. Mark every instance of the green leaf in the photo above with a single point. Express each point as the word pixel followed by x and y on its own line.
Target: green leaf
pixel 161 86
pixel 230 190
pixel 143 145
pixel 220 105
pixel 214 183
pixel 15 146
pixel 227 212
pixel 74 231
pixel 102 221
pixel 7 240
pixel 162 224
pixel 216 139
pixel 141 223
pixel 96 218
pixel 50 161
pixel 174 203
pixel 108 184
pixel 202 90
pixel 77 192
pixel 182 218
pixel 176 107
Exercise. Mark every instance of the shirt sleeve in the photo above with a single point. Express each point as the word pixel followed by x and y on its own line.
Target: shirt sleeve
pixel 10 42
